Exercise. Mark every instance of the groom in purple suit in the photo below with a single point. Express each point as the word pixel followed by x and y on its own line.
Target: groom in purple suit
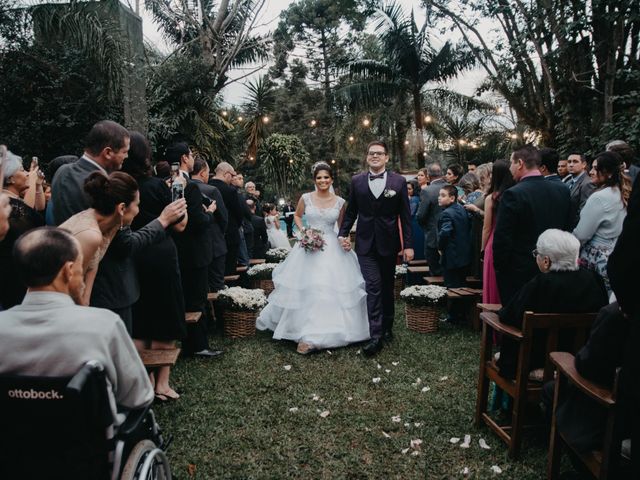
pixel 378 198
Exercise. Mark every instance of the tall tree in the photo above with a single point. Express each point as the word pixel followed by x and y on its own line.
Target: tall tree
pixel 410 63
pixel 258 107
pixel 562 66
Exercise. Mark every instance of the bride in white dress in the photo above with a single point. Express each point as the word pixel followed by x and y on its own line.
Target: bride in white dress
pixel 319 299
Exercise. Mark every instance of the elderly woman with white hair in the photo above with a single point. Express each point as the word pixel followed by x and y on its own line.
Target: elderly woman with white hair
pixel 560 287
pixel 24 191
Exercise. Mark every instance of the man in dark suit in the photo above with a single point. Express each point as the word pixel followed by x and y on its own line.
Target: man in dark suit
pixel 106 148
pixel 579 184
pixel 116 285
pixel 194 251
pixel 288 211
pixel 200 176
pixel 427 216
pixel 224 174
pixel 549 159
pixel 526 210
pixel 378 198
pixel 260 237
pixel 454 241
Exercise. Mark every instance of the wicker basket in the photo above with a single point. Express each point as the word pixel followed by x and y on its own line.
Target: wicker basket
pixel 264 284
pixel 239 324
pixel 422 318
pixel 398 286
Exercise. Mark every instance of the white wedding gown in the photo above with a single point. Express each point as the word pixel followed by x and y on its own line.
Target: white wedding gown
pixel 277 238
pixel 319 297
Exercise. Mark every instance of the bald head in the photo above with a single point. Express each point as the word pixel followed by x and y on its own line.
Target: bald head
pixel 40 254
pixel 225 172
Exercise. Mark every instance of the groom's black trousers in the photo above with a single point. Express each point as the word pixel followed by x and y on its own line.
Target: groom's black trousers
pixel 379 275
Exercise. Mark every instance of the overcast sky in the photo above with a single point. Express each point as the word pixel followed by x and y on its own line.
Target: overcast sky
pixel 233 94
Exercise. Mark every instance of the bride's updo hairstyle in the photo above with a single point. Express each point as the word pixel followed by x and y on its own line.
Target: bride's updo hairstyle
pixel 321 166
pixel 105 192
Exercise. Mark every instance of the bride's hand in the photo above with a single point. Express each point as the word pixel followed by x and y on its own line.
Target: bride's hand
pixel 346 243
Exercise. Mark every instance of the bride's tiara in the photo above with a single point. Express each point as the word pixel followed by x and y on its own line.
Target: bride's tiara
pixel 319 164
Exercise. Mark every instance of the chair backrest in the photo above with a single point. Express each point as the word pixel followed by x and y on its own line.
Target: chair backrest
pixel 552 332
pixel 55 427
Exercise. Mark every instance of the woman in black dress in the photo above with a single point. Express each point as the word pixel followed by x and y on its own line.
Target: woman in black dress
pixel 158 316
pixel 24 217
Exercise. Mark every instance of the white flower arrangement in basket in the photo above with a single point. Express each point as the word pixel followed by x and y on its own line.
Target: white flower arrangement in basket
pixel 401 270
pixel 420 295
pixel 262 271
pixel 276 255
pixel 242 299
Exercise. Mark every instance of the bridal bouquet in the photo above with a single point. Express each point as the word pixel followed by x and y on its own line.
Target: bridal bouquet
pixel 421 295
pixel 312 240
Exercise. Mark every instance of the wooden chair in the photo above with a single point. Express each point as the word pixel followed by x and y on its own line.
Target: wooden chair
pixel 603 464
pixel 469 296
pixel 484 307
pixel 521 390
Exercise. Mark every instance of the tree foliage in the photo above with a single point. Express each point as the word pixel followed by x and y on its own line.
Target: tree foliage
pixel 284 164
pixel 566 68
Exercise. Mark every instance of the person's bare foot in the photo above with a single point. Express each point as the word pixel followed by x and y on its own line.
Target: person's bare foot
pixel 170 393
pixel 305 348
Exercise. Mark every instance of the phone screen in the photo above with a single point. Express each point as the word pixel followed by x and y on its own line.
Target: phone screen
pixel 177 191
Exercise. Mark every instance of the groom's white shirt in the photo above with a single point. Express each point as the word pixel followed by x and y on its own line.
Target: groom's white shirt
pixel 377 186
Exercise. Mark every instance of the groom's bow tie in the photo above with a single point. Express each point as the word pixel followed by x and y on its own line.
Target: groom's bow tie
pixel 373 177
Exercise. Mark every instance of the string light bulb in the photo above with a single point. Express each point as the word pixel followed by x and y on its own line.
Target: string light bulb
pixel 366 122
pixel 240 118
pixel 428 119
pixel 313 123
pixel 265 119
pixel 351 138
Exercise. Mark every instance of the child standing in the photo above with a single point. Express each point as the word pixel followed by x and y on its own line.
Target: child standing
pixel 277 237
pixel 454 243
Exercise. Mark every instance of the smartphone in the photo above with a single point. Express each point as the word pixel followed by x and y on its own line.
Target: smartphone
pixel 463 202
pixel 34 162
pixel 175 168
pixel 177 191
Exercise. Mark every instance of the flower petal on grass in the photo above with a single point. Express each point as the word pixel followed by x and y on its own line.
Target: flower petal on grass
pixel 396 419
pixel 358 352
pixel 454 440
pixel 442 379
pixel 293 409
pixel 349 398
pixel 483 444
pixel 385 434
pixel 315 397
pixel 415 443
pixel 407 425
pixel 329 352
pixel 404 451
pixel 464 471
pixel 415 453
pixel 387 370
pixel 496 469
pixel 467 442
pixel 378 366
pixel 395 364
pixel 325 414
pixel 287 367
pixel 425 389
pixel 376 380
pixel 417 424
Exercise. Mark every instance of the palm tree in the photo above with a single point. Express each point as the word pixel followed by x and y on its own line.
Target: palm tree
pixel 410 62
pixel 260 102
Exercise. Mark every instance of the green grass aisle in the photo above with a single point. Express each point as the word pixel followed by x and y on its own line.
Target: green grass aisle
pixel 250 415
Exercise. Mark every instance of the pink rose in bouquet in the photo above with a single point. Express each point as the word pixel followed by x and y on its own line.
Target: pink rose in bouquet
pixel 312 240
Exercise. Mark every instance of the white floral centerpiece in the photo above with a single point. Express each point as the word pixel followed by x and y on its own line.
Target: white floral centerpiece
pixel 401 270
pixel 276 255
pixel 261 271
pixel 241 307
pixel 422 306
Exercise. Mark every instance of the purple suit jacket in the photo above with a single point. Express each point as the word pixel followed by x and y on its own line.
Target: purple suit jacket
pixel 377 229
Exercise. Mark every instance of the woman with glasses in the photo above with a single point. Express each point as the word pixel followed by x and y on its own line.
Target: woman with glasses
pixel 602 215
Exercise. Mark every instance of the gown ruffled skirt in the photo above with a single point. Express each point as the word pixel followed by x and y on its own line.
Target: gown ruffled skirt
pixel 319 298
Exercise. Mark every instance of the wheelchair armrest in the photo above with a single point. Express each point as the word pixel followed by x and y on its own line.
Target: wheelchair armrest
pixel 133 421
pixel 492 320
pixel 566 366
pixel 79 380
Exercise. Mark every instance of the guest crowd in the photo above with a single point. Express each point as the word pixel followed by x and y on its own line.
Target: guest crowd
pixel 543 232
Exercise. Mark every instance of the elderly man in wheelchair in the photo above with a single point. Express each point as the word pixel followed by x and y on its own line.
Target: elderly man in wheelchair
pixel 74 394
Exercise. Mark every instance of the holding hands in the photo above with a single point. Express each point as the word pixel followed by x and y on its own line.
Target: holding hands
pixel 345 243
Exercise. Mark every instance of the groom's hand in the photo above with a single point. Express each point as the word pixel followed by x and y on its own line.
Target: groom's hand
pixel 346 243
pixel 408 254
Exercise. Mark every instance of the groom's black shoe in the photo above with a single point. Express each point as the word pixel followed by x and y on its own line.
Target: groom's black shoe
pixel 387 335
pixel 373 347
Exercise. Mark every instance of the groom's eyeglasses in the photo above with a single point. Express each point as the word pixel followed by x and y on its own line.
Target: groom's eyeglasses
pixel 376 154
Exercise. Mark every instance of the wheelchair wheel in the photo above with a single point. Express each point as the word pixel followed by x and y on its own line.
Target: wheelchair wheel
pixel 146 462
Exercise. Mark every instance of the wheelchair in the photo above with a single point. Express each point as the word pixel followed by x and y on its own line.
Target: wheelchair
pixel 62 428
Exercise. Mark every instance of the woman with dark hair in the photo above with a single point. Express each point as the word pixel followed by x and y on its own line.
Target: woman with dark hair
pixel 501 179
pixel 603 213
pixel 158 315
pixel 453 176
pixel 114 203
pixel 319 300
